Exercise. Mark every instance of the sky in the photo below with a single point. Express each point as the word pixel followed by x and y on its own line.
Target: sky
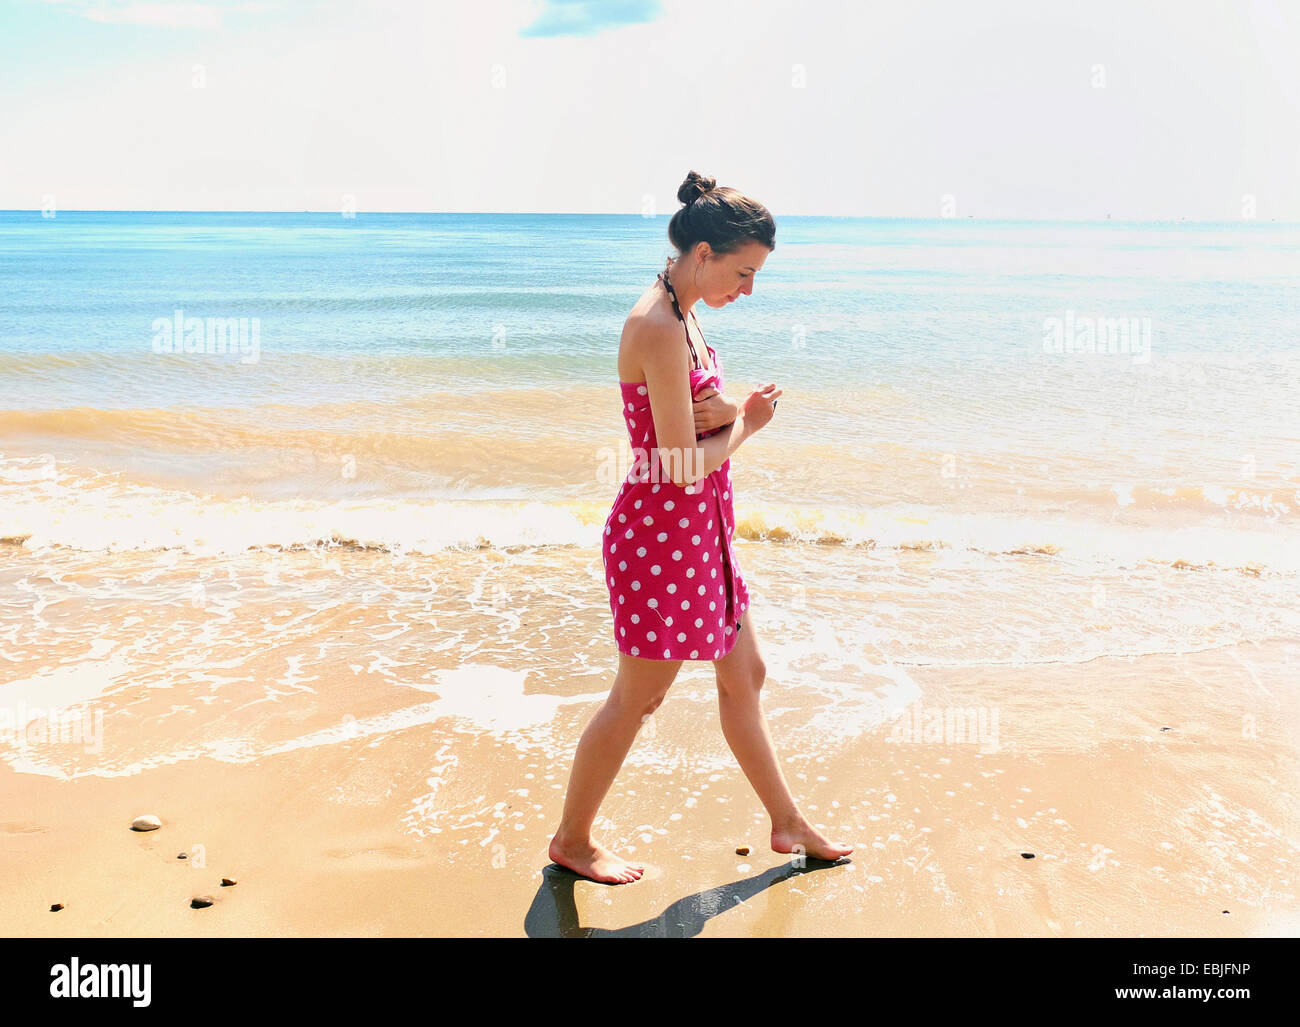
pixel 1033 109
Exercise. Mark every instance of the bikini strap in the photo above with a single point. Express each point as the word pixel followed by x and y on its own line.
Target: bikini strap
pixel 663 277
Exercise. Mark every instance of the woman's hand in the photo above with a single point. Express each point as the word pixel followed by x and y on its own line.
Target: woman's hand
pixel 713 409
pixel 759 406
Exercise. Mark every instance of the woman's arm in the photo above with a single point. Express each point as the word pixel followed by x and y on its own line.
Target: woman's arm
pixel 754 414
pixel 679 457
pixel 713 409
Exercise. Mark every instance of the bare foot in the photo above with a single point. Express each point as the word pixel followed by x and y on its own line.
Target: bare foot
pixel 594 861
pixel 814 843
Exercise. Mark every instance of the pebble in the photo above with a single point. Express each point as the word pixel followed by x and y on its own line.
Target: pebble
pixel 199 901
pixel 148 822
pixel 59 905
pixel 1027 855
pixel 742 850
pixel 229 882
pixel 183 856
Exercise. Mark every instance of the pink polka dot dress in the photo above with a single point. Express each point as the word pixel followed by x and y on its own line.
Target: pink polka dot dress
pixel 674 587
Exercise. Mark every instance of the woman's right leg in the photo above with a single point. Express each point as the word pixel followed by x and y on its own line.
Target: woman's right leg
pixel 639 687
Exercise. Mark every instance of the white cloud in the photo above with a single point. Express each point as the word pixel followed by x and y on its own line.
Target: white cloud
pixel 840 108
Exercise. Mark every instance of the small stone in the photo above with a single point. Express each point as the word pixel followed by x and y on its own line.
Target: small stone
pixel 742 850
pixel 182 856
pixel 229 882
pixel 200 901
pixel 1027 855
pixel 1166 729
pixel 148 822
pixel 1225 911
pixel 59 905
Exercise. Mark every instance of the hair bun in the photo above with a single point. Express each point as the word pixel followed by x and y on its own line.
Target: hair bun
pixel 695 186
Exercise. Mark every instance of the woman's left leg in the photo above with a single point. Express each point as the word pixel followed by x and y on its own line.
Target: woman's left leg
pixel 740 676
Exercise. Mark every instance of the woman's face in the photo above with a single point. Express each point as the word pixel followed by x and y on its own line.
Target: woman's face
pixel 725 277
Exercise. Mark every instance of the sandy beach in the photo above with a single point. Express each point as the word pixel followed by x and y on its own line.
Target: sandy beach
pixel 1149 808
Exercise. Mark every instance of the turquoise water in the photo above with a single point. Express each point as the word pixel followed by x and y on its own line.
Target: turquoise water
pixel 473 356
pixel 544 296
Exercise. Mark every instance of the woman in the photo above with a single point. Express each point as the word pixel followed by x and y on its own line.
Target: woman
pixel 674 588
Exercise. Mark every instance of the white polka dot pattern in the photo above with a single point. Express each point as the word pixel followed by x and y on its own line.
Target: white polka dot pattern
pixel 671 550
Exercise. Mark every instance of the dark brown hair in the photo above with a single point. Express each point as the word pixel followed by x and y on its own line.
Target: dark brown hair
pixel 723 217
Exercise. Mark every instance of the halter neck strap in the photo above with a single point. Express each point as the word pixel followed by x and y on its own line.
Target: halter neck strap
pixel 672 295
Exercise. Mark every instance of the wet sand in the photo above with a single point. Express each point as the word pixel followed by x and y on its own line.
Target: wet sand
pixel 1135 830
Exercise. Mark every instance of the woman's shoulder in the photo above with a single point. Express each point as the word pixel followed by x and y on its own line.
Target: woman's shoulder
pixel 650 340
pixel 650 321
pixel 650 304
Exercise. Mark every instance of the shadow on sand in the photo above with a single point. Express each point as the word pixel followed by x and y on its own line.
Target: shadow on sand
pixel 554 914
